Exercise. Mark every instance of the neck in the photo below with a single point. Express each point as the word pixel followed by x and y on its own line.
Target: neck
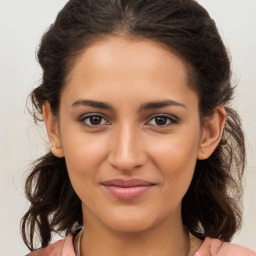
pixel 166 239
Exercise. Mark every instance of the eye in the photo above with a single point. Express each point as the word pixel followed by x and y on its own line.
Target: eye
pixel 93 120
pixel 162 120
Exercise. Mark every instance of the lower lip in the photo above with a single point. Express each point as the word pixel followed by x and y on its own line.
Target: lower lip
pixel 129 193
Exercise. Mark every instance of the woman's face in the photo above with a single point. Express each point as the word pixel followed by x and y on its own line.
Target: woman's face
pixel 130 133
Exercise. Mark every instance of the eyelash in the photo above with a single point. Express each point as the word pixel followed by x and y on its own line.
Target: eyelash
pixel 88 116
pixel 172 120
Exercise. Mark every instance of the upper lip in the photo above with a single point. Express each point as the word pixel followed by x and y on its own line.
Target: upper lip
pixel 127 183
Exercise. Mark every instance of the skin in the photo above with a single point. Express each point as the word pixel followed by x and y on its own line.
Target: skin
pixel 129 142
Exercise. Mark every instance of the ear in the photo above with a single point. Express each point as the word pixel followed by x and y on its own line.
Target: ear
pixel 52 128
pixel 212 133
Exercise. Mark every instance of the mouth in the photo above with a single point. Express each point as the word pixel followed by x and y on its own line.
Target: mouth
pixel 127 189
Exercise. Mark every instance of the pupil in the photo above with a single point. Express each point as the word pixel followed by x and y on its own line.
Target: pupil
pixel 95 120
pixel 161 120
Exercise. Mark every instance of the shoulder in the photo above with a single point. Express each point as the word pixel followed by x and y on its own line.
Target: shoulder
pixel 215 247
pixel 60 248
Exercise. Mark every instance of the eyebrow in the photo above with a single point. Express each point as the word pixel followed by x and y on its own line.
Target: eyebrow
pixel 160 104
pixel 145 106
pixel 92 103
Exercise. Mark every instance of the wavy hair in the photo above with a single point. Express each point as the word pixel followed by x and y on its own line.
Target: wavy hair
pixel 211 205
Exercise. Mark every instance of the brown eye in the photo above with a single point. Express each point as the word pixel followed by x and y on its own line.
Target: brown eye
pixel 162 120
pixel 93 120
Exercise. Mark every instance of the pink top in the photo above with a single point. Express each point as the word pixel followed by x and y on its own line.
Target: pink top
pixel 210 247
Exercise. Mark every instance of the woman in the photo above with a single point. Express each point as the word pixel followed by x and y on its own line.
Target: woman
pixel 146 155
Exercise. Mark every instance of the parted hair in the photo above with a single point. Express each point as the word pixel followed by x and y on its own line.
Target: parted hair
pixel 211 207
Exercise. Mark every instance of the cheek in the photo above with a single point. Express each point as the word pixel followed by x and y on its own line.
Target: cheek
pixel 83 162
pixel 84 155
pixel 176 150
pixel 175 157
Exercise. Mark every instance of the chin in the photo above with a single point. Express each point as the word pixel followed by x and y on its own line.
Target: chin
pixel 131 223
pixel 130 227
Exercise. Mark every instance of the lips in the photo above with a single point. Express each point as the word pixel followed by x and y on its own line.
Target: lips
pixel 127 189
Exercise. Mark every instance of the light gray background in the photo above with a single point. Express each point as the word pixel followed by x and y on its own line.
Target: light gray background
pixel 22 23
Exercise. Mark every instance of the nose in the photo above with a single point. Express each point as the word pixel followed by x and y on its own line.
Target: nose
pixel 127 149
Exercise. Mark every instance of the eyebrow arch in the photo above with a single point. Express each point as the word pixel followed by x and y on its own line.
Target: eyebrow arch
pixel 92 103
pixel 160 104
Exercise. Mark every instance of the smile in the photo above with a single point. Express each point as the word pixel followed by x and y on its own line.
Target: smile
pixel 127 189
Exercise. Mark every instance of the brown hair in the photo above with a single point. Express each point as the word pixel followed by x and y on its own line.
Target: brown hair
pixel 211 204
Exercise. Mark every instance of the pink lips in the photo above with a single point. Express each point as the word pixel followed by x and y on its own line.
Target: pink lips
pixel 127 189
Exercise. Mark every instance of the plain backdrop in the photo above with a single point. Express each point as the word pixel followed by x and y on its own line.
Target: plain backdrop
pixel 22 23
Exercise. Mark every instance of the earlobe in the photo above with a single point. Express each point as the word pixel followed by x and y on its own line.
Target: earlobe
pixel 212 133
pixel 52 128
pixel 57 151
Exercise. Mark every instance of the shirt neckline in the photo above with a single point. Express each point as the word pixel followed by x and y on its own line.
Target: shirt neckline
pixel 195 243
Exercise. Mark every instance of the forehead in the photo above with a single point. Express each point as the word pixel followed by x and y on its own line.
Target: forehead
pixel 119 65
pixel 135 54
